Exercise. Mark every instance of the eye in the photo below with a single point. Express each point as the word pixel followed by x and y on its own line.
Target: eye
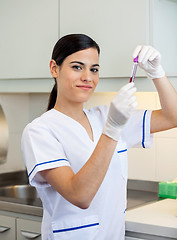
pixel 94 70
pixel 76 67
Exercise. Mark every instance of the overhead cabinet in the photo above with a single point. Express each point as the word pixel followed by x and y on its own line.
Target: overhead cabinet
pixel 29 30
pixel 117 26
pixel 164 32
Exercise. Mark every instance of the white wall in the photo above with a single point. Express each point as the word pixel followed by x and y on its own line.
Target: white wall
pixel 19 110
pixel 16 110
pixel 37 104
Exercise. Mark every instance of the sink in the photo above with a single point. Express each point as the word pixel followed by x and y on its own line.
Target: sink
pixel 19 191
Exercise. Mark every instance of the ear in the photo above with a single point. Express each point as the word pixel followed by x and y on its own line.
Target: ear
pixel 54 68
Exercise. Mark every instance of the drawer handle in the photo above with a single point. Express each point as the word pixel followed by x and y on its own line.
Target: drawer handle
pixel 30 235
pixel 3 229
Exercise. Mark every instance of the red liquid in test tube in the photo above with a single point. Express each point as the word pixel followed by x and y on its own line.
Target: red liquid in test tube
pixel 135 60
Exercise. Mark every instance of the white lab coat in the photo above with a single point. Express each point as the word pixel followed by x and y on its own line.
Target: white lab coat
pixel 56 140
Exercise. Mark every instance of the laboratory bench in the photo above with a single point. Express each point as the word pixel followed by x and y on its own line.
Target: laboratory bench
pixel 138 193
pixel 17 196
pixel 147 216
pixel 153 221
pixel 34 206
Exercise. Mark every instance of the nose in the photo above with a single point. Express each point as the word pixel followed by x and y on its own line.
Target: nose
pixel 86 76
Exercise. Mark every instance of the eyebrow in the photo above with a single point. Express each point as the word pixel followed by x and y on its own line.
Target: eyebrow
pixel 81 63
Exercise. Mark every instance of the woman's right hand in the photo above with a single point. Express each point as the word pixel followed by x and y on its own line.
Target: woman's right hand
pixel 121 108
pixel 80 188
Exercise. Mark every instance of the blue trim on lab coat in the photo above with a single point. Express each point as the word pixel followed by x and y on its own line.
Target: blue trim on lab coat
pixel 75 228
pixel 143 137
pixel 125 150
pixel 57 160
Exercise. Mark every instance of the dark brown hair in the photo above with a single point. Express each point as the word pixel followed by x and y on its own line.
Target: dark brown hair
pixel 66 46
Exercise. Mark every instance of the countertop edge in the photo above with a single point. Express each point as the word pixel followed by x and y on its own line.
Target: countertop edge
pixel 21 208
pixel 151 226
pixel 150 229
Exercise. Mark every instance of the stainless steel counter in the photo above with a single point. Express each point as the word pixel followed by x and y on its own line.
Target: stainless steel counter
pixel 139 193
pixel 27 205
pixel 21 207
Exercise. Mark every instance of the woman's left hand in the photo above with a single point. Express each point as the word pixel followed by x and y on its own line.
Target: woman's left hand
pixel 149 60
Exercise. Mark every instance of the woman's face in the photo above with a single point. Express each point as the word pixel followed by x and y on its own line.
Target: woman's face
pixel 78 76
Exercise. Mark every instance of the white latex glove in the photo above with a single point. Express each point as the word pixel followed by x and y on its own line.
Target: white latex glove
pixel 149 60
pixel 120 110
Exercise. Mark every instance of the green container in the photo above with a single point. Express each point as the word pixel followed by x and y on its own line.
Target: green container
pixel 168 190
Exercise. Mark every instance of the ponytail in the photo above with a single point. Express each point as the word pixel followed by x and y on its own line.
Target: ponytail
pixel 52 97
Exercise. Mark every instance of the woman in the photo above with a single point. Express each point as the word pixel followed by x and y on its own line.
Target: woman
pixel 77 158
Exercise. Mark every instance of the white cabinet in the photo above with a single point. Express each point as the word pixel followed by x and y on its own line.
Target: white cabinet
pixel 7 228
pixel 13 227
pixel 132 238
pixel 29 29
pixel 164 32
pixel 27 229
pixel 117 26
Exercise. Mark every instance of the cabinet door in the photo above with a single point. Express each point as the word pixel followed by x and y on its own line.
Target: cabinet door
pixel 7 228
pixel 28 229
pixel 132 238
pixel 165 33
pixel 29 29
pixel 117 26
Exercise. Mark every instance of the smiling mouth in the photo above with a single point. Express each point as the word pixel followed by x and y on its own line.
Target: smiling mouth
pixel 84 87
